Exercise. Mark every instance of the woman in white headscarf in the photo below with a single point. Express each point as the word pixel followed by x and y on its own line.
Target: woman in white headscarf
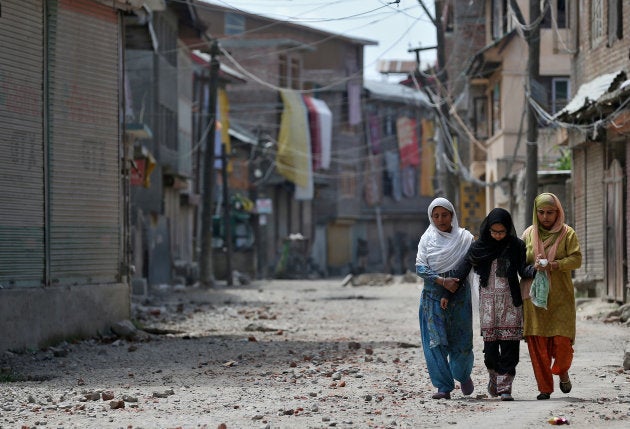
pixel 446 333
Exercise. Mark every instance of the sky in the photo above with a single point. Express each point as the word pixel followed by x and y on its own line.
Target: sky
pixel 396 25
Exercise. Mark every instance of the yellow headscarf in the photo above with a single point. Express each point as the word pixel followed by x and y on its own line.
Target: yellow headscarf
pixel 547 239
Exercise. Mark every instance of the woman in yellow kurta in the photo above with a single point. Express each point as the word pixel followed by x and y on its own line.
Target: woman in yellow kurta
pixel 550 333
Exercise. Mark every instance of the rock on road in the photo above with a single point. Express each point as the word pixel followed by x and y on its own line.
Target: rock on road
pixel 293 354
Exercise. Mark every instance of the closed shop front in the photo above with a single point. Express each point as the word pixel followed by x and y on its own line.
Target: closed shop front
pixel 84 159
pixel 22 158
pixel 589 203
pixel 61 212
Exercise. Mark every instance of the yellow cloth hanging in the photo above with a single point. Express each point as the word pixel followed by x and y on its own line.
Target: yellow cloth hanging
pixel 293 158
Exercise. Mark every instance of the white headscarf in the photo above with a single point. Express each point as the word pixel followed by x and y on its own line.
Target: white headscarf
pixel 442 251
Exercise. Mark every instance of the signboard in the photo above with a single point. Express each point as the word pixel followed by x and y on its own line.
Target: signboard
pixel 264 206
pixel 137 172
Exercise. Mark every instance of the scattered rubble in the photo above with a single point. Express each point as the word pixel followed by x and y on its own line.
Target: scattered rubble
pixel 288 354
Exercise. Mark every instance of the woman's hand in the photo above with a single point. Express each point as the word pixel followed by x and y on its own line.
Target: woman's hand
pixel 444 303
pixel 545 265
pixel 541 264
pixel 450 283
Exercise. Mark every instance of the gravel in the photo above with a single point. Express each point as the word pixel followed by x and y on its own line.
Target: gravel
pixel 292 354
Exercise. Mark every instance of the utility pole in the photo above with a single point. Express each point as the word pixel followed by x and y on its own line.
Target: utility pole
pixel 531 173
pixel 227 214
pixel 439 150
pixel 206 272
pixel 533 67
pixel 446 180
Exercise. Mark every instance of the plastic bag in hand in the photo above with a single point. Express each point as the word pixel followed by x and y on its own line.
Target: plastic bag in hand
pixel 540 290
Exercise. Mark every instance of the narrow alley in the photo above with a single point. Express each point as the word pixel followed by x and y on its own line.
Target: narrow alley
pixel 293 354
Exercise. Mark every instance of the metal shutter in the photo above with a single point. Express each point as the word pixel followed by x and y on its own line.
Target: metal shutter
pixel 22 253
pixel 85 204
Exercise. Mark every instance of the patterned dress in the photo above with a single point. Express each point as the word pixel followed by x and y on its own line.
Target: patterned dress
pixel 499 318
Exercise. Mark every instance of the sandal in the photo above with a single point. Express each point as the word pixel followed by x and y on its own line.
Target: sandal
pixel 441 395
pixel 468 387
pixel 543 396
pixel 492 389
pixel 565 386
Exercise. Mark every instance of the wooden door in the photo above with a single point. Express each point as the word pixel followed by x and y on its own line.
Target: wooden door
pixel 614 245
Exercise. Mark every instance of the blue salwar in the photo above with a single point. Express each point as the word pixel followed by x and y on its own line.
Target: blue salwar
pixel 446 334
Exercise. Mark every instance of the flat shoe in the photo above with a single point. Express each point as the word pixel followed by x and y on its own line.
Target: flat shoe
pixel 543 396
pixel 506 397
pixel 441 395
pixel 468 387
pixel 492 389
pixel 565 386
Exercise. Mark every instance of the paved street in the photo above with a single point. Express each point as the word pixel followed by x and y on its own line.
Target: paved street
pixel 293 354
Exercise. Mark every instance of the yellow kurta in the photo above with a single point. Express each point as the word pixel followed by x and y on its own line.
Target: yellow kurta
pixel 559 317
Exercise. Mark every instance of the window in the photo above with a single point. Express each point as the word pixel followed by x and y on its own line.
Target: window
pixel 556 12
pixel 560 93
pixel 389 123
pixel 348 183
pixel 562 14
pixel 167 126
pixel 499 18
pixel 615 21
pixel 295 74
pixel 496 108
pixel 167 37
pixel 597 22
pixel 553 93
pixel 289 72
pixel 480 118
pixel 234 23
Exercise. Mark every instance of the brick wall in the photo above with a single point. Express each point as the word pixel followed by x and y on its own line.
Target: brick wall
pixel 593 60
pixel 467 38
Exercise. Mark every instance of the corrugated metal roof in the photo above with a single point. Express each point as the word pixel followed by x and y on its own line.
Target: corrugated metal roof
pixel 280 43
pixel 589 93
pixel 479 66
pixel 395 92
pixel 207 7
pixel 241 133
pixel 227 71
pixel 620 92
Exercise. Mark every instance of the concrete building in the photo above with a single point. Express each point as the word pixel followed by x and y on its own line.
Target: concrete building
pixel 483 86
pixel 64 271
pixel 283 61
pixel 498 103
pixel 595 125
pixel 397 183
pixel 367 206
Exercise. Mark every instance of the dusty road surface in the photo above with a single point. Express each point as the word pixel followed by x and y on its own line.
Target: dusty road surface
pixel 293 354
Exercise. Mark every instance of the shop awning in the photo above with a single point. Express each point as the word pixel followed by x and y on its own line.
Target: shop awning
pixel 589 94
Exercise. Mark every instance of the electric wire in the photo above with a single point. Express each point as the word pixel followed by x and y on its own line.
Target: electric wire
pixel 543 115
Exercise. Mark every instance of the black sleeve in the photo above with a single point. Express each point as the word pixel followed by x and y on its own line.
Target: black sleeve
pixel 524 270
pixel 447 294
pixel 463 268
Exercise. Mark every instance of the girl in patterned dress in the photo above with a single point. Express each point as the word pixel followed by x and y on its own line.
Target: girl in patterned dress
pixel 498 257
